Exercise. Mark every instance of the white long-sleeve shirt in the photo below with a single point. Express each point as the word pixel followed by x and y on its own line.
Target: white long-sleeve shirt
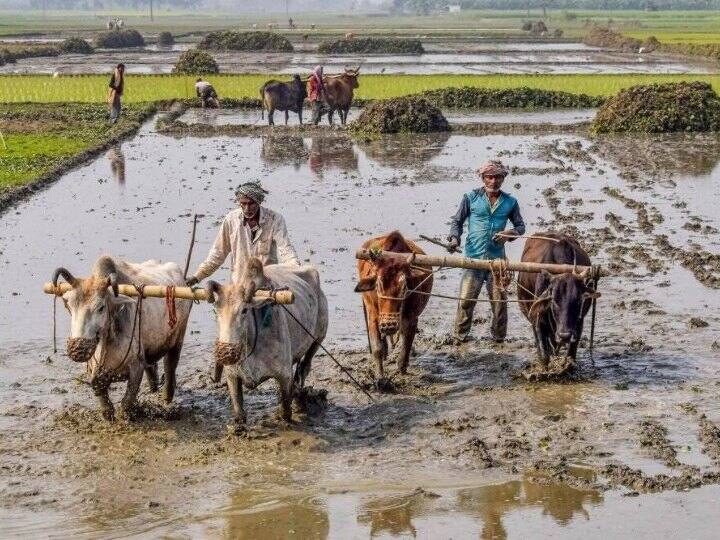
pixel 270 244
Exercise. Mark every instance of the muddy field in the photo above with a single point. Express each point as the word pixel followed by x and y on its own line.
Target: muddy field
pixel 441 58
pixel 463 449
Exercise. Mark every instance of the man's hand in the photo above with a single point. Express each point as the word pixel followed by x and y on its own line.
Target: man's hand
pixel 453 244
pixel 192 280
pixel 505 236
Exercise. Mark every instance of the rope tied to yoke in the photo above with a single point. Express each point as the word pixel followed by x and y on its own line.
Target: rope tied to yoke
pixel 171 307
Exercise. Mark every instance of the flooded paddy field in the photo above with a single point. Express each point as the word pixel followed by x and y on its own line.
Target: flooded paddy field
pixel 447 58
pixel 462 449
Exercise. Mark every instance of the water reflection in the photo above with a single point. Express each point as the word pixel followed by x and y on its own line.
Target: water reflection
pixel 328 153
pixel 392 515
pixel 254 515
pixel 283 149
pixel 491 503
pixel 405 150
pixel 117 164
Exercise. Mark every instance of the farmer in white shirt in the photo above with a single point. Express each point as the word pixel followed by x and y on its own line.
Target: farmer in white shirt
pixel 249 231
pixel 207 94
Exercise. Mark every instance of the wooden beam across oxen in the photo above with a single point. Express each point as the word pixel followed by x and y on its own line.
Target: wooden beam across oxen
pixel 454 261
pixel 279 296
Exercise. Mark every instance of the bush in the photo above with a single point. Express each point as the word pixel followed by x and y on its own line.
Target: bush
pixel 469 97
pixel 661 108
pixel 372 46
pixel 195 62
pixel 245 41
pixel 75 45
pixel 118 39
pixel 166 39
pixel 400 115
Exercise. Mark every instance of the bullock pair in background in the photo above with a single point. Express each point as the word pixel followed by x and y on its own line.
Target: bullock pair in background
pixel 395 293
pixel 290 96
pixel 122 338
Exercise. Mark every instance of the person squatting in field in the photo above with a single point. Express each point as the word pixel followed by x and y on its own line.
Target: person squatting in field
pixel 249 231
pixel 487 210
pixel 207 94
pixel 115 91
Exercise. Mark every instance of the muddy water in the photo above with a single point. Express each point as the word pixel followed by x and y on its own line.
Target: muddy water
pixel 533 58
pixel 489 452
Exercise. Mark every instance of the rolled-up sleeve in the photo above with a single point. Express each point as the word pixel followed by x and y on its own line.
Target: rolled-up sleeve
pixel 517 220
pixel 458 220
pixel 218 252
pixel 285 250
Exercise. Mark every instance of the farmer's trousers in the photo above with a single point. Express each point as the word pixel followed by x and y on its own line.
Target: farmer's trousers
pixel 115 109
pixel 470 287
pixel 318 109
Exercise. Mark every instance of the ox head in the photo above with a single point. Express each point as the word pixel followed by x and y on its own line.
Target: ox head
pixel 389 280
pixel 237 317
pixel 352 76
pixel 567 298
pixel 91 307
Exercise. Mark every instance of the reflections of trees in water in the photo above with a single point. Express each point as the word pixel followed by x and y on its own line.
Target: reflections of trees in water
pixel 117 164
pixel 253 515
pixel 404 150
pixel 681 154
pixel 490 503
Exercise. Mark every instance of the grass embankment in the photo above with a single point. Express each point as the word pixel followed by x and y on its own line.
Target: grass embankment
pixel 39 138
pixel 145 88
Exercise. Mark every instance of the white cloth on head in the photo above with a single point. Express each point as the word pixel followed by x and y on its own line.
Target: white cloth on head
pixel 202 85
pixel 271 244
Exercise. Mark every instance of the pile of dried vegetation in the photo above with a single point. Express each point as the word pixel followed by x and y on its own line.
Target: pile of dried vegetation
pixel 245 41
pixel 372 45
pixel 468 97
pixel 661 108
pixel 196 63
pixel 400 115
pixel 166 39
pixel 75 45
pixel 119 39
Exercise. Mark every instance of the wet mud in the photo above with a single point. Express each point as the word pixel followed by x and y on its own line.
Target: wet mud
pixel 462 445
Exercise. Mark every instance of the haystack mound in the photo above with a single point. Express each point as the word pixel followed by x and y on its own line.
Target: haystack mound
pixel 245 41
pixel 75 45
pixel 196 63
pixel 372 45
pixel 609 39
pixel 166 39
pixel 118 39
pixel 468 97
pixel 401 115
pixel 661 108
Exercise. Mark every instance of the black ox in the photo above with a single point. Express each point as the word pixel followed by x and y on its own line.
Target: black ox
pixel 283 96
pixel 555 305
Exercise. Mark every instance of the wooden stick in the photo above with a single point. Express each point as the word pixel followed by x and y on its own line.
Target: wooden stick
pixel 192 243
pixel 453 261
pixel 184 293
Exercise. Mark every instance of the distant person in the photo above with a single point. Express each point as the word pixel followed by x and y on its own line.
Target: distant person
pixel 291 23
pixel 316 95
pixel 207 94
pixel 115 92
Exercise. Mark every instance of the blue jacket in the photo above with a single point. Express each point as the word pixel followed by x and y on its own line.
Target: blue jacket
pixel 484 222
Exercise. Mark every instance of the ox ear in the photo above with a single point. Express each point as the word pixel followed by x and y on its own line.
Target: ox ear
pixel 366 284
pixel 419 273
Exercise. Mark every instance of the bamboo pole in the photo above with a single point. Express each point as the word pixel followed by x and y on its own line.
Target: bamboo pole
pixel 183 293
pixel 453 261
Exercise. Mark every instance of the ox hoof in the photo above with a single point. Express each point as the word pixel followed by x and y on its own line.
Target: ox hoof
pixel 384 385
pixel 237 427
pixel 108 414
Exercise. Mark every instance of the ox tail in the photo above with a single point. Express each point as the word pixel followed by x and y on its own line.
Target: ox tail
pixel 262 102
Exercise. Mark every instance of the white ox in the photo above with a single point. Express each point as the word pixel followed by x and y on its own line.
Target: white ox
pixel 258 341
pixel 104 331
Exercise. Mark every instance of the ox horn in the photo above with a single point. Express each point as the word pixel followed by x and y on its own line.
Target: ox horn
pixel 105 268
pixel 212 288
pixel 67 276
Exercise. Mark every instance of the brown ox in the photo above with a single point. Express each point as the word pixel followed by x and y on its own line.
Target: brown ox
pixel 339 93
pixel 391 307
pixel 555 305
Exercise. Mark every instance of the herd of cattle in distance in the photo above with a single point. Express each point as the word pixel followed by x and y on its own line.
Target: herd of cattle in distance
pixel 123 339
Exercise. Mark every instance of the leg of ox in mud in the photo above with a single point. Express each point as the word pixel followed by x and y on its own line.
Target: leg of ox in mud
pixel 151 372
pixel 285 395
pixel 234 383
pixel 316 112
pixel 287 116
pixel 171 361
pixel 331 115
pixel 303 368
pixel 408 330
pixel 217 372
pixel 101 389
pixel 271 120
pixel 133 387
pixel 379 350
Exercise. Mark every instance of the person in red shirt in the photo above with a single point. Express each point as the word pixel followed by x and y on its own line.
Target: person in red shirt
pixel 317 94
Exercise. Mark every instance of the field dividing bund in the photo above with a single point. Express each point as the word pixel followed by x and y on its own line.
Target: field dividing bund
pixel 145 88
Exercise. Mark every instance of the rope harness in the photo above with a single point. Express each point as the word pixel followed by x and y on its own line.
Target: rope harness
pixel 170 306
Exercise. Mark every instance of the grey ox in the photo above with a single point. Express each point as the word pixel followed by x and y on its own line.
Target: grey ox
pixel 259 340
pixel 283 96
pixel 105 333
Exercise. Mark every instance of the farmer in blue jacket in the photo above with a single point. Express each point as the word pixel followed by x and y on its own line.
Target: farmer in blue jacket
pixel 487 210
